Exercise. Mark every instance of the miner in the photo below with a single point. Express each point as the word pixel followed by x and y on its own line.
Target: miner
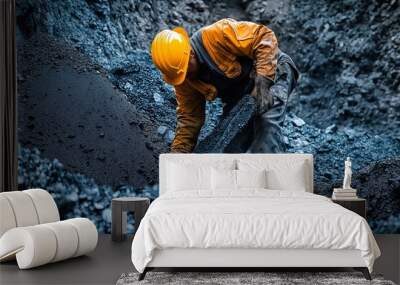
pixel 227 59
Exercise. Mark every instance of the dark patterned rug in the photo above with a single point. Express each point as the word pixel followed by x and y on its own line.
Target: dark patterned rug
pixel 243 278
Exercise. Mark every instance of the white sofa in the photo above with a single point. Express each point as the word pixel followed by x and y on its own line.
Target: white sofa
pixel 31 231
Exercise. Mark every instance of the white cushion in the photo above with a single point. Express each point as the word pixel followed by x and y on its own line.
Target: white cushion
pixel 7 218
pixel 288 174
pixel 23 208
pixel 230 180
pixel 67 240
pixel 32 246
pixel 87 233
pixel 223 179
pixel 45 206
pixel 40 244
pixel 185 175
pixel 251 178
pixel 26 208
pixel 268 159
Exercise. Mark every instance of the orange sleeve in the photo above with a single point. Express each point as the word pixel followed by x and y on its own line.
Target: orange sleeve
pixel 190 114
pixel 252 40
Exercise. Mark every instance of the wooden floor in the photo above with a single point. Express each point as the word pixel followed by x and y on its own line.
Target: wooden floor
pixel 110 260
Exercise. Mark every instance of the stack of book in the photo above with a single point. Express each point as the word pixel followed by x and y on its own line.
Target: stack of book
pixel 343 194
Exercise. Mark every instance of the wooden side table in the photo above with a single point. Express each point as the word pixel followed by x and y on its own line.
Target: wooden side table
pixel 357 205
pixel 119 209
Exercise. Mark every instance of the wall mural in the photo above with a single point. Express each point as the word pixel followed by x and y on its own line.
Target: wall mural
pixel 94 112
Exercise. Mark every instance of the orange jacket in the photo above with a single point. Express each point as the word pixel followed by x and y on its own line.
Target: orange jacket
pixel 224 41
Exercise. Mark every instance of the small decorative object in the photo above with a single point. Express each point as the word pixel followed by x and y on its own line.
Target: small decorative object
pixel 347 174
pixel 346 192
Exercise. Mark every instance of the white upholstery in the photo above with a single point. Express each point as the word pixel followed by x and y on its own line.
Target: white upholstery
pixel 192 174
pixel 31 231
pixel 32 246
pixel 286 173
pixel 223 179
pixel 259 257
pixel 67 237
pixel 7 218
pixel 87 235
pixel 251 178
pixel 23 209
pixel 231 180
pixel 45 206
pixel 296 165
pixel 26 208
pixel 45 243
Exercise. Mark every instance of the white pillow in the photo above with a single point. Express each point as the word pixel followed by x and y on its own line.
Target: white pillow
pixel 251 178
pixel 223 179
pixel 230 180
pixel 186 175
pixel 288 174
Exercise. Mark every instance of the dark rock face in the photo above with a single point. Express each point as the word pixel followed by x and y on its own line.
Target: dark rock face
pixel 348 53
pixel 101 44
pixel 380 184
pixel 374 181
pixel 330 148
pixel 71 111
pixel 347 102
pixel 107 30
pixel 75 194
pixel 112 39
pixel 348 95
pixel 233 132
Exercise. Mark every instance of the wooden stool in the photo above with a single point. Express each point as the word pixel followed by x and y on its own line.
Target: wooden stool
pixel 119 209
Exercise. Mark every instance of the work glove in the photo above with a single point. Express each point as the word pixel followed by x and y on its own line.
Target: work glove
pixel 261 91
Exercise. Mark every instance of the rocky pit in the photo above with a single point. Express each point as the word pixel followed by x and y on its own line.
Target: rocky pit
pixel 94 113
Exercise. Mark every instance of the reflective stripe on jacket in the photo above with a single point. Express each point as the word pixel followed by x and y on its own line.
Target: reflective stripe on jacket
pixel 225 41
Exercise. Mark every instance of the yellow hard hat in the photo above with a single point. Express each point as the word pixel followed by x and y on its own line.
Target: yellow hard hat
pixel 170 51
